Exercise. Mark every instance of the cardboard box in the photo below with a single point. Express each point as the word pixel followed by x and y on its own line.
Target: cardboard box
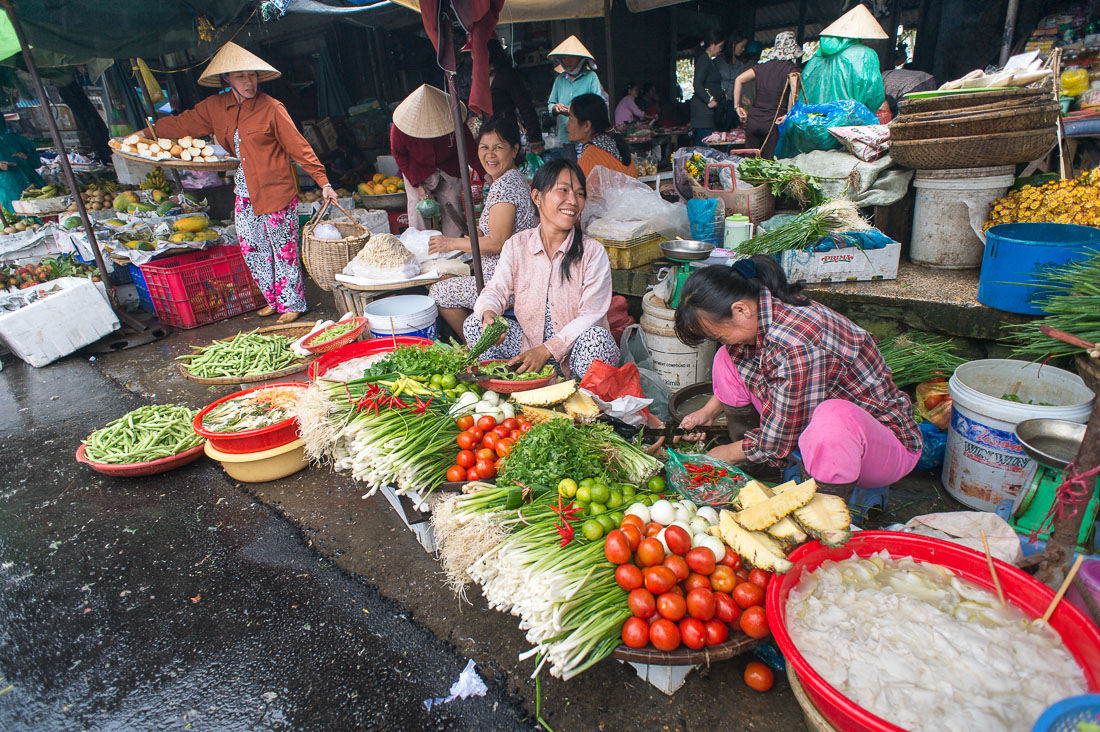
pixel 60 323
pixel 842 265
pixel 328 133
pixel 315 139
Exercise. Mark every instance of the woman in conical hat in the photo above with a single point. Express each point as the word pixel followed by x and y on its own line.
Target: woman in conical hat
pixel 576 76
pixel 257 129
pixel 843 68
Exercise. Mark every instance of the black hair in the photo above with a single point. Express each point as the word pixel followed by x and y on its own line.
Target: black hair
pixel 710 37
pixel 593 109
pixel 544 180
pixel 711 291
pixel 628 86
pixel 507 129
pixel 731 44
pixel 498 57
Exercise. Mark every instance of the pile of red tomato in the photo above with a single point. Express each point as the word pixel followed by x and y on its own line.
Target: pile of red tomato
pixel 684 597
pixel 482 444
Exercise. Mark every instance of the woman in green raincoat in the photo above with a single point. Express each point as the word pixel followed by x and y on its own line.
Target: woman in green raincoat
pixel 844 68
pixel 18 163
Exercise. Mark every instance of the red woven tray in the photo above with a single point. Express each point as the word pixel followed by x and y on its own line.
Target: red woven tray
pixel 314 346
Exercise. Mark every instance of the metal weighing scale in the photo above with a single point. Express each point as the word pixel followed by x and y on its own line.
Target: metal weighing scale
pixel 688 256
pixel 1051 444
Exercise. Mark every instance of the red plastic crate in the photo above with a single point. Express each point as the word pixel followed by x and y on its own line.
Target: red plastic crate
pixel 202 287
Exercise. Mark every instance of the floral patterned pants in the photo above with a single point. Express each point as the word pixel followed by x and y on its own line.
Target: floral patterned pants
pixel 269 244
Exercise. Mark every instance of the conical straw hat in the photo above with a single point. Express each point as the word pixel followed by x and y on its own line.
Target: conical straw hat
pixel 571 46
pixel 426 113
pixel 232 57
pixel 856 23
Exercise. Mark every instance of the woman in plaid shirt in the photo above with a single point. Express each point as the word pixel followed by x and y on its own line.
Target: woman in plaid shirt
pixel 814 380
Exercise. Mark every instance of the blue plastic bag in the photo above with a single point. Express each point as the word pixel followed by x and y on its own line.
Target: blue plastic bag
pixel 807 126
pixel 870 239
pixel 934 448
pixel 701 218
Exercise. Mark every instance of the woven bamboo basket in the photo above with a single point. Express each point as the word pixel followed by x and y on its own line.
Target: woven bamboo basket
pixel 757 202
pixel 974 151
pixel 326 258
pixel 962 124
pixel 959 101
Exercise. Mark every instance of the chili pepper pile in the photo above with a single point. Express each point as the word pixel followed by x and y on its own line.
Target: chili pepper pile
pixel 704 479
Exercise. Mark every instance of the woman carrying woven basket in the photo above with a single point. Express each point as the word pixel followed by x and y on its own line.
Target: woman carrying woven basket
pixel 774 94
pixel 259 131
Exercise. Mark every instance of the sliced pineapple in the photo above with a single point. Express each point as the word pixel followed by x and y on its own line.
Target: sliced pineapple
pixel 547 395
pixel 754 492
pixel 581 406
pixel 826 517
pixel 537 415
pixel 767 513
pixel 756 548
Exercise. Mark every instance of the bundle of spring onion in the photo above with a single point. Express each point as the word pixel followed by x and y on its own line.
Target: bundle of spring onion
pixel 148 433
pixel 246 354
pixel 1072 305
pixel 830 219
pixel 782 179
pixel 917 356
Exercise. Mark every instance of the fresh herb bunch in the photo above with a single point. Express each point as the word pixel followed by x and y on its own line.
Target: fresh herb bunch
pixel 438 358
pixel 501 370
pixel 1072 305
pixel 831 219
pixel 550 451
pixel 782 179
pixel 917 356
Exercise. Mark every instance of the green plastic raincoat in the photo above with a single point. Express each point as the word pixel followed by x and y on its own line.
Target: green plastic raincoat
pixel 22 160
pixel 843 68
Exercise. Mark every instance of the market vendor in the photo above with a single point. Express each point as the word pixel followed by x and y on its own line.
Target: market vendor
pixel 259 131
pixel 627 110
pixel 590 128
pixel 576 69
pixel 19 162
pixel 507 210
pixel 776 87
pixel 843 68
pixel 422 141
pixel 814 380
pixel 560 281
pixel 707 86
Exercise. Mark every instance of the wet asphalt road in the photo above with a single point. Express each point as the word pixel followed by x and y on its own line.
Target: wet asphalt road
pixel 180 602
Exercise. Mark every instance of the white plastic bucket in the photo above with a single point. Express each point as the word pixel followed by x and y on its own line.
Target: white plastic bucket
pixel 409 315
pixel 678 364
pixel 949 209
pixel 984 464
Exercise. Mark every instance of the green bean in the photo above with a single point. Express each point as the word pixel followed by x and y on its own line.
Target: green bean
pixel 245 355
pixel 149 433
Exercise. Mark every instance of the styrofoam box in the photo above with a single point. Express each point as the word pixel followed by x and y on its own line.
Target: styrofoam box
pixel 59 324
pixel 840 265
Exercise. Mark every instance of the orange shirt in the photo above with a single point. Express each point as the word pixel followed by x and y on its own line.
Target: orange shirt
pixel 593 156
pixel 269 141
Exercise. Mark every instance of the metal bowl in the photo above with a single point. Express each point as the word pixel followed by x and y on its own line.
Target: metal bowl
pixel 1052 442
pixel 686 250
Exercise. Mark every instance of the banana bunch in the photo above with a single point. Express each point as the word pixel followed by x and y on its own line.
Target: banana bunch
pixel 105 186
pixel 52 190
pixel 156 180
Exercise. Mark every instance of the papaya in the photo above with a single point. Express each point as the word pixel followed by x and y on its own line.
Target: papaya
pixel 71 223
pixel 115 222
pixel 123 201
pixel 145 207
pixel 164 207
pixel 192 223
pixel 181 236
pixel 145 246
pixel 159 196
pixel 205 235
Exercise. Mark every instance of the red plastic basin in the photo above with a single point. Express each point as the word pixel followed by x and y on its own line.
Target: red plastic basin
pixel 247 441
pixel 359 349
pixel 138 470
pixel 1080 636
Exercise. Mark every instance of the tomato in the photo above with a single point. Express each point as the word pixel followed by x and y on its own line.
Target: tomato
pixel 700 559
pixel 501 431
pixel 678 540
pixel 650 553
pixel 725 609
pixel 471 474
pixel 693 633
pixel 722 579
pixel 732 559
pixel 641 603
pixel 933 401
pixel 754 621
pixel 504 447
pixel 635 520
pixel 760 577
pixel 742 575
pixel 616 547
pixel 632 535
pixel 629 577
pixel 678 566
pixel 664 635
pixel 937 379
pixel 747 594
pixel 486 423
pixel 671 606
pixel 516 434
pixel 465 422
pixel 511 424
pixel 758 676
pixel 486 469
pixel 465 459
pixel 635 633
pixel 659 579
pixel 700 604
pixel 466 441
pixel 475 433
pixel 525 426
pixel 696 581
pixel 490 441
pixel 677 590
pixel 456 473
pixel 717 632
pixel 485 455
pixel 653 528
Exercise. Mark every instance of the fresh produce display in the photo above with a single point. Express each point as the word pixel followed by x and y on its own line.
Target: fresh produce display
pixel 97 196
pixel 916 356
pixel 830 219
pixel 145 434
pixel 380 185
pixel 17 223
pixel 46 270
pixel 314 195
pixel 487 437
pixel 246 354
pixel 596 506
pixel 252 411
pixel 932 631
pixel 500 370
pixel 1072 305
pixel 1067 201
pixel 783 180
pixel 157 181
pixel 332 333
pixel 39 193
pixel 185 149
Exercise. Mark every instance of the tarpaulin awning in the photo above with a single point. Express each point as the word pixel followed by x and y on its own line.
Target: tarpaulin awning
pixel 526 11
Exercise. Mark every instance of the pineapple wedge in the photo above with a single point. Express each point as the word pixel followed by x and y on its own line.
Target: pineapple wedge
pixel 755 492
pixel 756 548
pixel 547 395
pixel 826 518
pixel 762 515
pixel 538 415
pixel 581 406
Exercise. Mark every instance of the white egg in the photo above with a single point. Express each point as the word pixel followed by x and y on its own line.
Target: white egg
pixel 662 512
pixel 640 510
pixel 708 513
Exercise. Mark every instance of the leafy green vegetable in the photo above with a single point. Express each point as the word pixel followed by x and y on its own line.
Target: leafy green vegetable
pixel 438 358
pixel 916 356
pixel 500 370
pixel 489 337
pixel 781 179
pixel 1087 727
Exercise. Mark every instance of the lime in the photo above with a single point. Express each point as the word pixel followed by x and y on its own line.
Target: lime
pixel 656 484
pixel 595 509
pixel 449 393
pixel 587 481
pixel 600 492
pixel 584 493
pixel 462 387
pixel 615 499
pixel 436 380
pixel 582 505
pixel 617 517
pixel 607 522
pixel 592 530
pixel 567 487
pixel 628 492
pixel 448 381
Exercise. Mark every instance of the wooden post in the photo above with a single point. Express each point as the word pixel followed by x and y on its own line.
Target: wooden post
pixel 464 178
pixel 610 59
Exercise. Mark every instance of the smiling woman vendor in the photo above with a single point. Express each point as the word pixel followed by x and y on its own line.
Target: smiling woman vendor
pixel 815 380
pixel 561 282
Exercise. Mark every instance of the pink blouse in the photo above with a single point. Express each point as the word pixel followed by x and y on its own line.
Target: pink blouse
pixel 526 273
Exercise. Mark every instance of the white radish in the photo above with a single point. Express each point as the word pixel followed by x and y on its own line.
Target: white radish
pixel 683 515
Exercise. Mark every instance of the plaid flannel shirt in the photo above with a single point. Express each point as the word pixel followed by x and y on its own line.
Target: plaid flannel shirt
pixel 803 356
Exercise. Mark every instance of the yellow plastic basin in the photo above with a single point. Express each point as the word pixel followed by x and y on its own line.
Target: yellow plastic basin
pixel 260 467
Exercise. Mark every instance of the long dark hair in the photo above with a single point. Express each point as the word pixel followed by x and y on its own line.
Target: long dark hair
pixel 544 180
pixel 498 57
pixel 507 129
pixel 593 109
pixel 731 43
pixel 711 292
pixel 710 37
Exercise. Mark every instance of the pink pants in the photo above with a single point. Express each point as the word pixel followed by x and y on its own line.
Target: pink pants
pixel 843 443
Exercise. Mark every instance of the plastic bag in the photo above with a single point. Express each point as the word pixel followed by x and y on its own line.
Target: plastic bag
pixel 704 480
pixel 807 126
pixel 682 173
pixel 616 196
pixel 934 403
pixel 844 69
pixel 866 142
pixel 702 218
pixel 327 232
pixel 531 164
pixel 934 447
pixel 610 385
pixel 633 350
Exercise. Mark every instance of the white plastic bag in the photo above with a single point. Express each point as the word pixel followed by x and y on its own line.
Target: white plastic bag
pixel 328 232
pixel 616 196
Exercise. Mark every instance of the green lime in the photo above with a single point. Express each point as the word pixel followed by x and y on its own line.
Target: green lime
pixel 595 509
pixel 567 487
pixel 587 482
pixel 584 493
pixel 462 387
pixel 448 381
pixel 628 492
pixel 616 517
pixel 656 484
pixel 592 530
pixel 600 492
pixel 582 505
pixel 436 380
pixel 607 522
pixel 615 499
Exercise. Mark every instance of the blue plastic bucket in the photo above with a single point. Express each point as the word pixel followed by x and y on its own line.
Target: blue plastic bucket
pixel 407 315
pixel 1015 253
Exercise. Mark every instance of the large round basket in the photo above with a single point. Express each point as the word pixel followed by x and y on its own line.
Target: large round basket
pixel 225 164
pixel 941 102
pixel 737 644
pixel 963 123
pixel 326 258
pixel 293 331
pixel 139 470
pixel 815 720
pixel 974 151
